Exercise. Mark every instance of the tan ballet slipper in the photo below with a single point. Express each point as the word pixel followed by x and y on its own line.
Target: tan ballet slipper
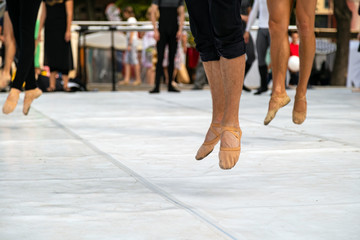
pixel 229 156
pixel 11 101
pixel 276 102
pixel 207 147
pixel 30 96
pixel 299 116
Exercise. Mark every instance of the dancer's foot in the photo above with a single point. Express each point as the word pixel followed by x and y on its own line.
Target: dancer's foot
pixel 230 147
pixel 211 139
pixel 30 96
pixel 11 101
pixel 4 79
pixel 299 110
pixel 276 102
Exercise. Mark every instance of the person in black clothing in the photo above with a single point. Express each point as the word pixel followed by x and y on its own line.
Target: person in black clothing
pixel 250 50
pixel 57 17
pixel 23 14
pixel 217 29
pixel 169 32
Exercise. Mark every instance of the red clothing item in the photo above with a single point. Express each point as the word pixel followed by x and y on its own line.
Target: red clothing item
pixel 294 49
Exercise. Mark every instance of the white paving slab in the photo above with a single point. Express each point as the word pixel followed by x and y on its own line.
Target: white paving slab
pixel 120 165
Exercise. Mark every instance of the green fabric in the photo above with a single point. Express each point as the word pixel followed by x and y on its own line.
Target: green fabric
pixel 268 57
pixel 37 47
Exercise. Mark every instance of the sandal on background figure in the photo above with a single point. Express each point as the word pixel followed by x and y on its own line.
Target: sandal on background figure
pixel 137 83
pixel 50 89
pixel 123 83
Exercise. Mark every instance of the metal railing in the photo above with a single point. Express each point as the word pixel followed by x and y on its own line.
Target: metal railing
pixel 86 27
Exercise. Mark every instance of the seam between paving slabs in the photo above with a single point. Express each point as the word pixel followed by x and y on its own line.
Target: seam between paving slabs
pixel 146 183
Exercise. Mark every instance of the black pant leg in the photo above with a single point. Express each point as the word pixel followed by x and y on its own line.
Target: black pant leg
pixel 172 52
pixel 23 14
pixel 227 27
pixel 160 46
pixel 202 29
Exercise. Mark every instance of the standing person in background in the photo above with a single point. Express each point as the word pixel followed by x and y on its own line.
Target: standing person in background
pixel 216 26
pixel 23 16
pixel 279 20
pixel 112 12
pixel 200 77
pixel 250 50
pixel 131 56
pixel 262 39
pixel 57 16
pixel 294 51
pixel 10 50
pixel 171 23
pixel 37 46
pixel 149 45
pixel 179 59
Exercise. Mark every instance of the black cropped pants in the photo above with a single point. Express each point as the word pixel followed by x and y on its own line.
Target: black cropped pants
pixel 23 14
pixel 217 28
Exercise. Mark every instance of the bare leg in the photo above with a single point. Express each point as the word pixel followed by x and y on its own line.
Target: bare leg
pixel 212 69
pixel 305 12
pixel 279 15
pixel 127 75
pixel 52 82
pixel 150 75
pixel 137 75
pixel 166 75
pixel 232 72
pixel 10 51
pixel 173 82
pixel 216 84
pixel 65 79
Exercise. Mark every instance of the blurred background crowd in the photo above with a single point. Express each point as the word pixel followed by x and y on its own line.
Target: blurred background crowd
pixel 96 56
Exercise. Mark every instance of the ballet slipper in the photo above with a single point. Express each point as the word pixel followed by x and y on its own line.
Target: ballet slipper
pixel 11 101
pixel 30 96
pixel 208 146
pixel 228 156
pixel 299 116
pixel 276 102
